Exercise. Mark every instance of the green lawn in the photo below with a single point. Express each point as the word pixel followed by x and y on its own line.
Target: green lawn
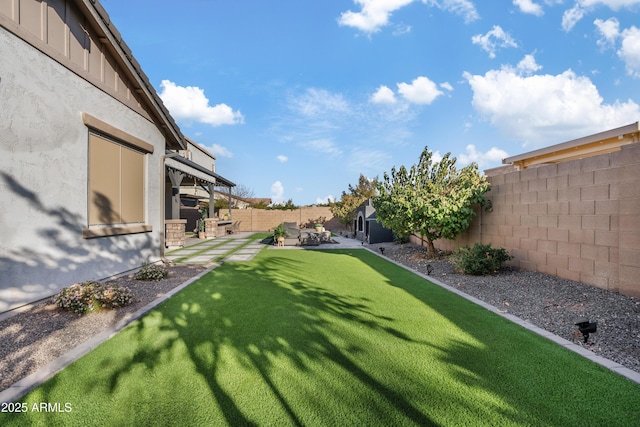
pixel 329 338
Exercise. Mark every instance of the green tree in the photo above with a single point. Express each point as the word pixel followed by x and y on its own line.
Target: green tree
pixel 344 210
pixel 433 199
pixel 288 205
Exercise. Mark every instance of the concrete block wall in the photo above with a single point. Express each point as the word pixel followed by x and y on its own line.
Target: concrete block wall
pixel 578 220
pixel 264 220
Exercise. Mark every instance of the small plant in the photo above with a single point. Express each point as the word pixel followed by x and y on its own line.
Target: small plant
pixel 480 259
pixel 315 222
pixel 280 231
pixel 204 213
pixel 92 296
pixel 152 272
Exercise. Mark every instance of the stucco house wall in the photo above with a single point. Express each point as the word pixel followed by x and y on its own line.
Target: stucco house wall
pixel 44 244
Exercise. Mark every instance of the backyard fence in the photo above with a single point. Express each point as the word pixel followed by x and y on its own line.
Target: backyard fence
pixel 263 219
pixel 578 220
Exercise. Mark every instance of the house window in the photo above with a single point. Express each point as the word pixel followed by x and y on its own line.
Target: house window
pixel 116 189
pixel 116 183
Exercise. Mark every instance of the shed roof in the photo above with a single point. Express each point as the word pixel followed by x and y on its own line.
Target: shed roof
pixel 592 145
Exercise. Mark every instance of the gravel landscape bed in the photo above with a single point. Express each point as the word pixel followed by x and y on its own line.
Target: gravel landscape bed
pixel 548 302
pixel 32 338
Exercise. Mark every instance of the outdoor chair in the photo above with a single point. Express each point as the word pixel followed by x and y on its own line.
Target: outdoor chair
pixel 232 228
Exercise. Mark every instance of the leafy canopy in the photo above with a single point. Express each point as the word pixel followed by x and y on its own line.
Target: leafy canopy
pixel 345 209
pixel 431 198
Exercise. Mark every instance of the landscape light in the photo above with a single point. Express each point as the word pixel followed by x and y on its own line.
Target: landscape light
pixel 586 327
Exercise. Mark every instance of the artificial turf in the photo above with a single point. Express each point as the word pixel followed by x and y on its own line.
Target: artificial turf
pixel 328 338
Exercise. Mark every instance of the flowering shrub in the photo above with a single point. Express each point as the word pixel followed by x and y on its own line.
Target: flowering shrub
pixel 152 272
pixel 92 296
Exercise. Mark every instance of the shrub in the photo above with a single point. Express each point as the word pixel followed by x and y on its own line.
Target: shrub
pixel 152 272
pixel 480 259
pixel 92 296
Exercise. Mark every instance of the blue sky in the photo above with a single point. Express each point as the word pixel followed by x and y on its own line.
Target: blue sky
pixel 297 98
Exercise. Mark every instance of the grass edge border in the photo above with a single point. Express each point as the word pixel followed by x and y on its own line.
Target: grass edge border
pixel 19 389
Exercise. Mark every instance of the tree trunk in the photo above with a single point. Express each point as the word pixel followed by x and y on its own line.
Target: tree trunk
pixel 431 249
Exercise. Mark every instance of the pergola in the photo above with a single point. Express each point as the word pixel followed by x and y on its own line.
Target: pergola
pixel 184 172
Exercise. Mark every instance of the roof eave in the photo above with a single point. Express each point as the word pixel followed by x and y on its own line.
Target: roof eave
pixel 175 139
pixel 599 143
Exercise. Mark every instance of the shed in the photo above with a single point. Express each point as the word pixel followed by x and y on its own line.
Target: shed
pixel 367 228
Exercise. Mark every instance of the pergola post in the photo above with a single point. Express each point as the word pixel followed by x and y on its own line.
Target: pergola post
pixel 176 179
pixel 212 199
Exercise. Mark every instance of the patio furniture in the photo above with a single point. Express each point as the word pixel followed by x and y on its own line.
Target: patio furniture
pixel 293 234
pixel 232 228
pixel 313 239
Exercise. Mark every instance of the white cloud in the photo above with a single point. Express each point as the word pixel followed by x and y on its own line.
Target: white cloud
pixel 277 192
pixel 447 86
pixel 368 161
pixel 436 156
pixel 401 29
pixel 420 91
pixel 528 6
pixel 544 109
pixel 609 31
pixel 630 50
pixel 219 151
pixel 581 7
pixel 383 95
pixel 323 146
pixel 189 103
pixel 375 14
pixel 494 39
pixel 327 199
pixel 528 65
pixel 282 159
pixel 491 157
pixel 570 17
pixel 464 8
pixel 315 102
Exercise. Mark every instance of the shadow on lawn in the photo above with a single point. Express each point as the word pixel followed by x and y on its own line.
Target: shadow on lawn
pixel 538 382
pixel 250 317
pixel 262 315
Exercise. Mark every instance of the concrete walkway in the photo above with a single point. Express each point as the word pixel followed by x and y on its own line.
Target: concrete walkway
pixel 230 247
pixel 237 247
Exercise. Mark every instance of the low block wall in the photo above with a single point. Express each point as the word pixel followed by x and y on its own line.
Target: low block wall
pixel 264 220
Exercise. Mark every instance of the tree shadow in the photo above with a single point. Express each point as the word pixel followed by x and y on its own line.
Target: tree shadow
pixel 263 317
pixel 51 253
pixel 253 317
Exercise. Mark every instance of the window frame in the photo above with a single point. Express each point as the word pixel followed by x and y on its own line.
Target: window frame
pixel 100 132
